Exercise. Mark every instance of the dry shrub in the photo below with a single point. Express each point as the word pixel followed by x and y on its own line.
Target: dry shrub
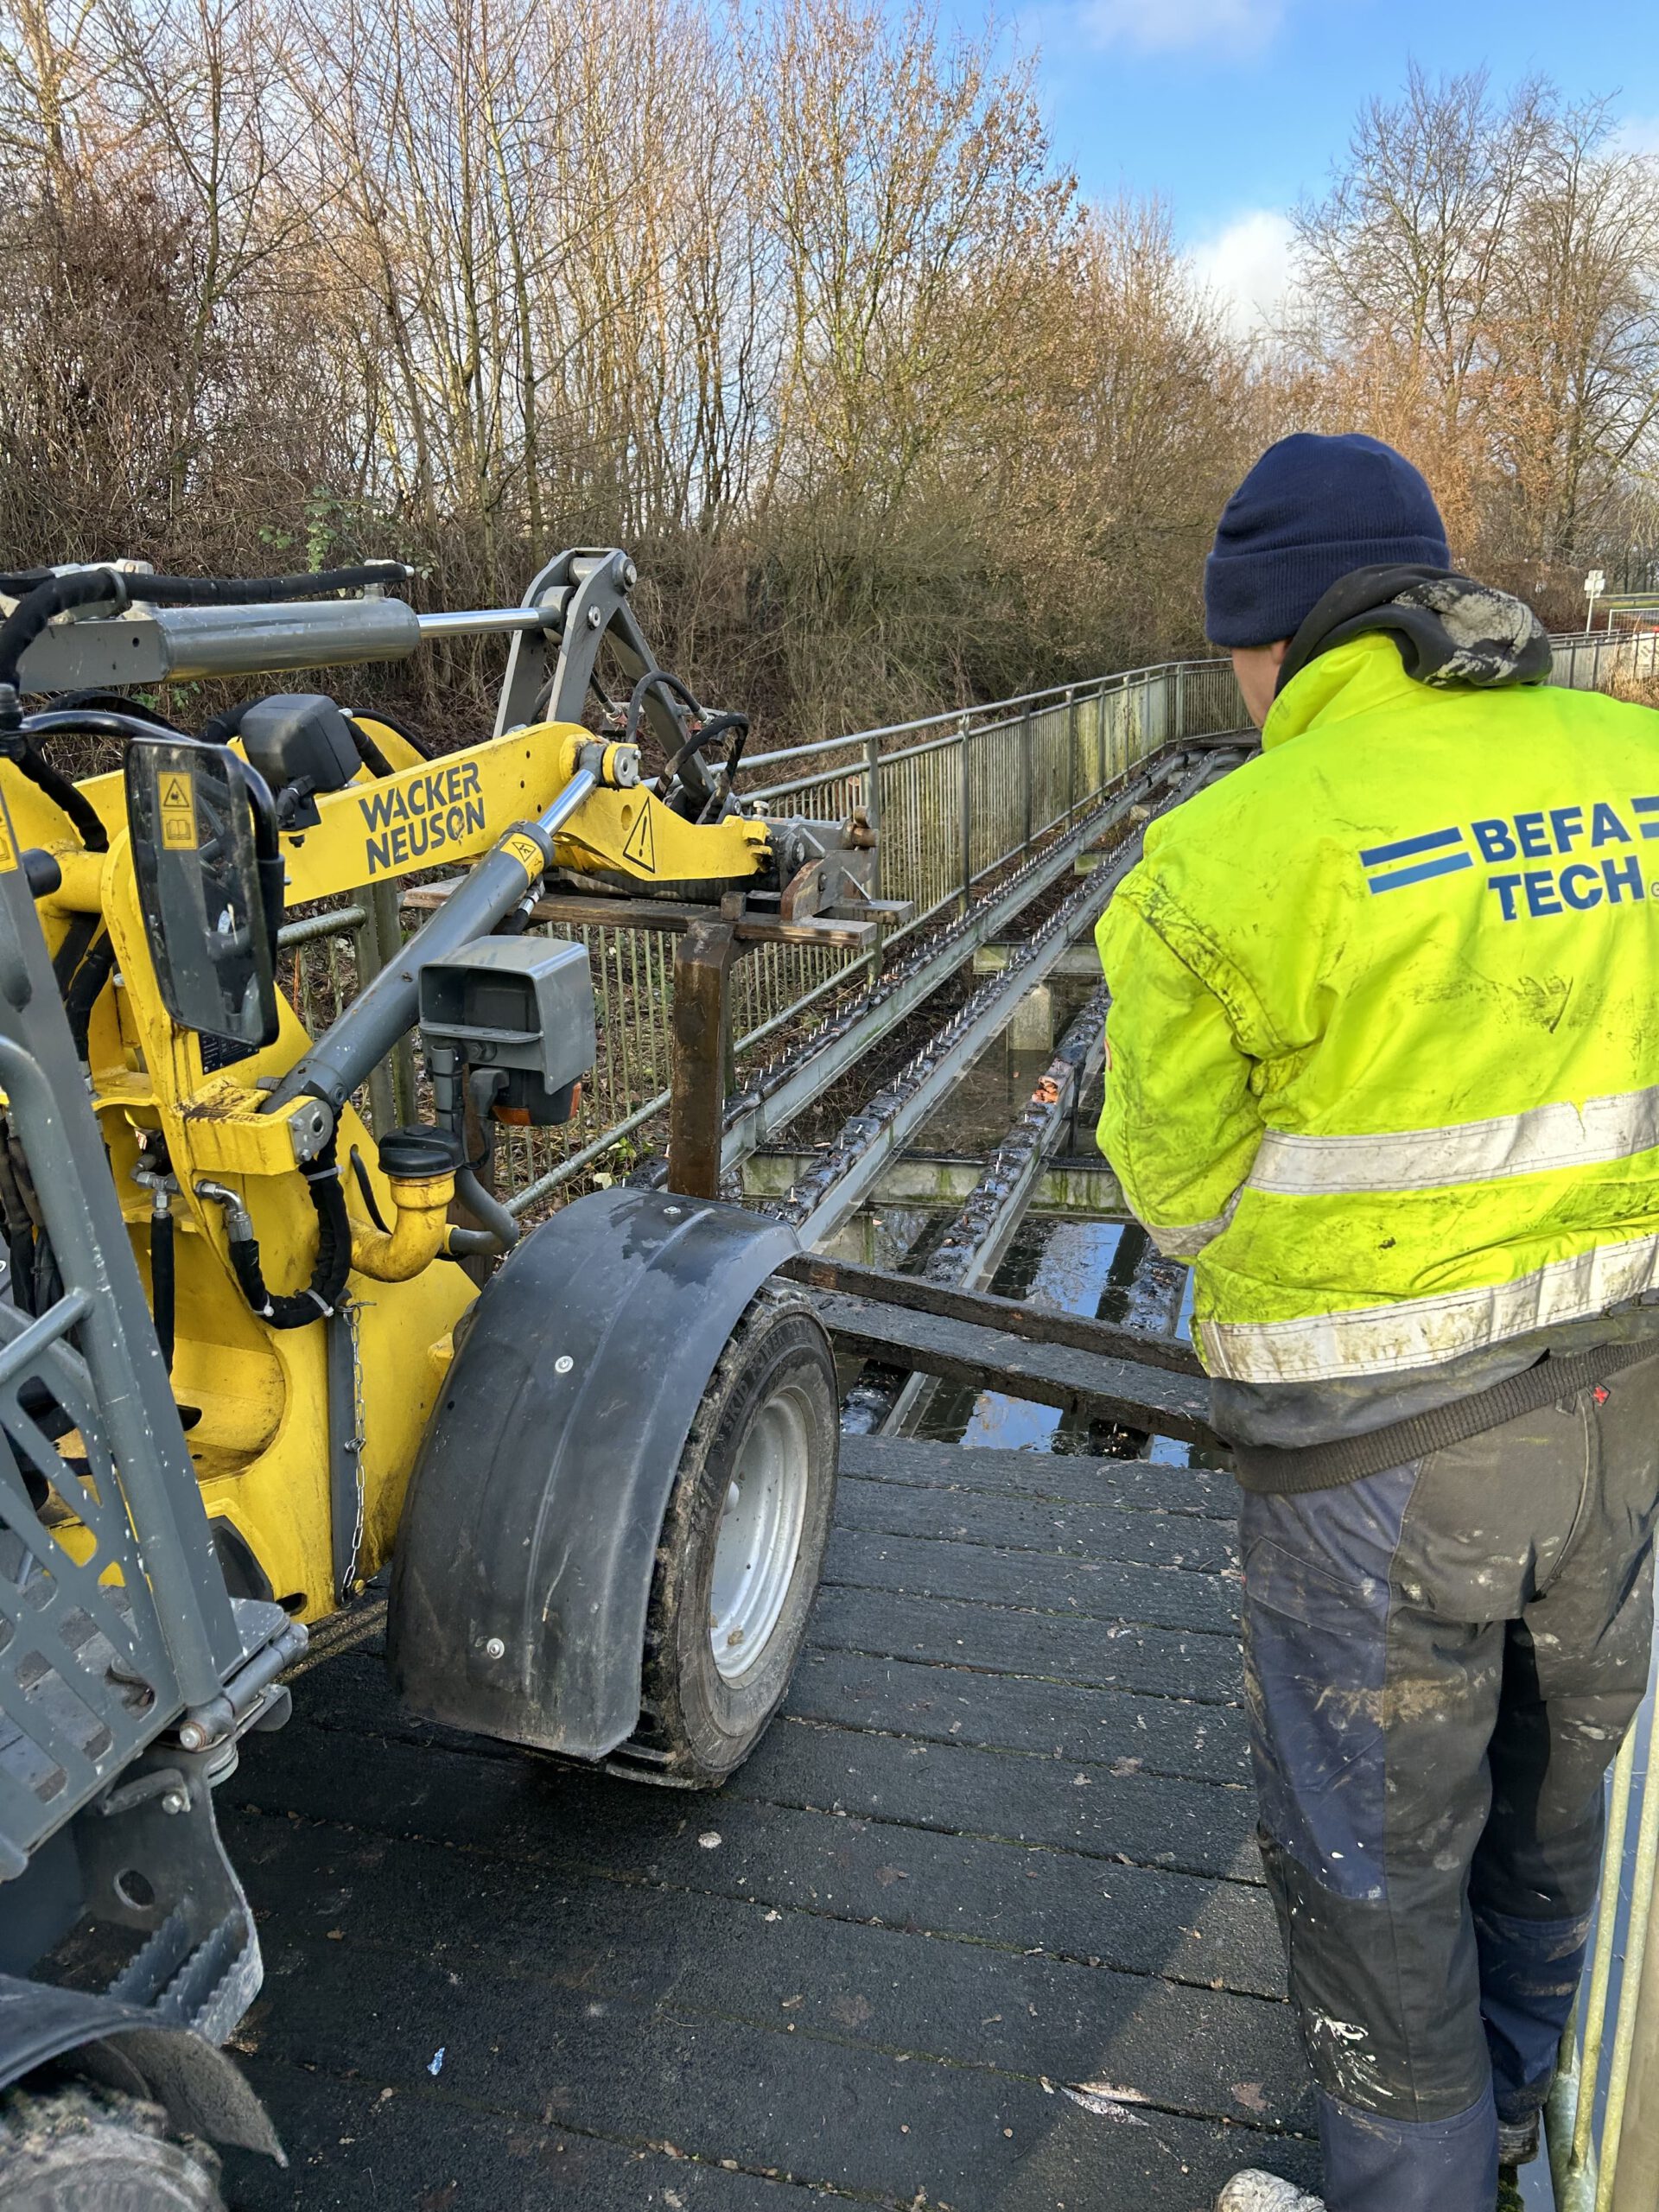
pixel 1638 691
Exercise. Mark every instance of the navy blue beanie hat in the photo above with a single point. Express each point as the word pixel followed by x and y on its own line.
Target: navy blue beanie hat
pixel 1310 512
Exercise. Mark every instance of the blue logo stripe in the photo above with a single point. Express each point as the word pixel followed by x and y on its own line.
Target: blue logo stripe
pixel 1646 805
pixel 1406 846
pixel 1449 866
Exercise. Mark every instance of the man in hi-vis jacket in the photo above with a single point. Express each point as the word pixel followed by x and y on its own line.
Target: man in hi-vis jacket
pixel 1384 1067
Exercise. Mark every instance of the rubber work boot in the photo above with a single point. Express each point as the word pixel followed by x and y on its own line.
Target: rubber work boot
pixel 1255 2191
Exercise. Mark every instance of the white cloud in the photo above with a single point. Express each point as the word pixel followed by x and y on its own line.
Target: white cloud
pixel 1173 26
pixel 1247 264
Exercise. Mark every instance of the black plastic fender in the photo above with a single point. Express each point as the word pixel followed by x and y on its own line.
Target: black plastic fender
pixel 524 1558
pixel 130 2048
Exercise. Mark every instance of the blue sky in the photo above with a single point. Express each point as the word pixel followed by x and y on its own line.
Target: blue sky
pixel 1232 109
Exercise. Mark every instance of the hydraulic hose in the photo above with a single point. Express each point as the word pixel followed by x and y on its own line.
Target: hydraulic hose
pixel 16 747
pixel 368 751
pixel 412 738
pixel 161 1296
pixel 71 949
pixel 366 1191
pixel 293 1309
pixel 81 996
pixel 62 721
pixel 116 702
pixel 658 679
pixel 19 1225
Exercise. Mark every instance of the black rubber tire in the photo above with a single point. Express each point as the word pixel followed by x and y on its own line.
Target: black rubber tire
pixel 85 2149
pixel 699 1726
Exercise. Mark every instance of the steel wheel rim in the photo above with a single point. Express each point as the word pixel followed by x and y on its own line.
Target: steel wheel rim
pixel 759 1535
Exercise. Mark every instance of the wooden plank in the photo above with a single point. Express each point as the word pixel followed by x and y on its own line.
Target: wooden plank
pixel 367 2147
pixel 1104 1590
pixel 1014 1317
pixel 1122 1485
pixel 885 2127
pixel 1133 1395
pixel 552 1822
pixel 1192 1827
pixel 718 1958
pixel 1102 1530
pixel 1004 1713
pixel 1047 1647
pixel 572 909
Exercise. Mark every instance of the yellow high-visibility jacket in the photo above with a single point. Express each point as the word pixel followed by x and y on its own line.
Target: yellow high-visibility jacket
pixel 1384 1034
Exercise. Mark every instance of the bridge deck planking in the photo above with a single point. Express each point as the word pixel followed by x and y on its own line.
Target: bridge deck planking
pixel 999 1846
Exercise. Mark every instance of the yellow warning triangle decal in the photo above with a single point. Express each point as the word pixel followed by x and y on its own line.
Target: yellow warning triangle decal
pixel 176 793
pixel 641 848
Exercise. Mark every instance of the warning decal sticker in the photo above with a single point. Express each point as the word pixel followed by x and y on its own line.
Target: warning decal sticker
pixel 526 852
pixel 176 794
pixel 641 847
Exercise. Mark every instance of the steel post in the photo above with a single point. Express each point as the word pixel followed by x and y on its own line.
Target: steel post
pixel 369 944
pixel 399 1070
pixel 1070 754
pixel 703 967
pixel 873 800
pixel 967 813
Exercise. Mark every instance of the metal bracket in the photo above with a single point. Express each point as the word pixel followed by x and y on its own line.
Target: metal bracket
pixel 703 965
pixel 584 595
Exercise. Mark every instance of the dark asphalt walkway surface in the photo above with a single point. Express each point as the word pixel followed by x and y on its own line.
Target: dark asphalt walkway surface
pixel 979 1929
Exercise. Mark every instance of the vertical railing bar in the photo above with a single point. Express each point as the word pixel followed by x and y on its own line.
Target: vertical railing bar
pixel 967 820
pixel 1582 2162
pixel 1630 1995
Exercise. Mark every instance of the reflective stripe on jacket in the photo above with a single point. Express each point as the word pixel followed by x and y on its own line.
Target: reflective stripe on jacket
pixel 1385 1036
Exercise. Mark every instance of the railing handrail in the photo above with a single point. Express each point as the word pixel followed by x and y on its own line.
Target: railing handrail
pixel 1079 687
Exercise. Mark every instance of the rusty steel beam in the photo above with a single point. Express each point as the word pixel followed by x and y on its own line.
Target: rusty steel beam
pixel 703 1038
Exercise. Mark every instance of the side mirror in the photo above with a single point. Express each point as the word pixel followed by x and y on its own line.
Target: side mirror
pixel 209 870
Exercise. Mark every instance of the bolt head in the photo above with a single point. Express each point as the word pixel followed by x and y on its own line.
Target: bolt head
pixel 564 1363
pixel 495 1649
pixel 175 1801
pixel 594 618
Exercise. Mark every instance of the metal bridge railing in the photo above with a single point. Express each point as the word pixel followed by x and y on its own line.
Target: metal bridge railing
pixel 1588 660
pixel 958 796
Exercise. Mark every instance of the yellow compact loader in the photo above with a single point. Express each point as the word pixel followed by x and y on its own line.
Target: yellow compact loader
pixel 605 1479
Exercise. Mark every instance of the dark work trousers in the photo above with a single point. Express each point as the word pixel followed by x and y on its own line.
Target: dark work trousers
pixel 1441 1664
